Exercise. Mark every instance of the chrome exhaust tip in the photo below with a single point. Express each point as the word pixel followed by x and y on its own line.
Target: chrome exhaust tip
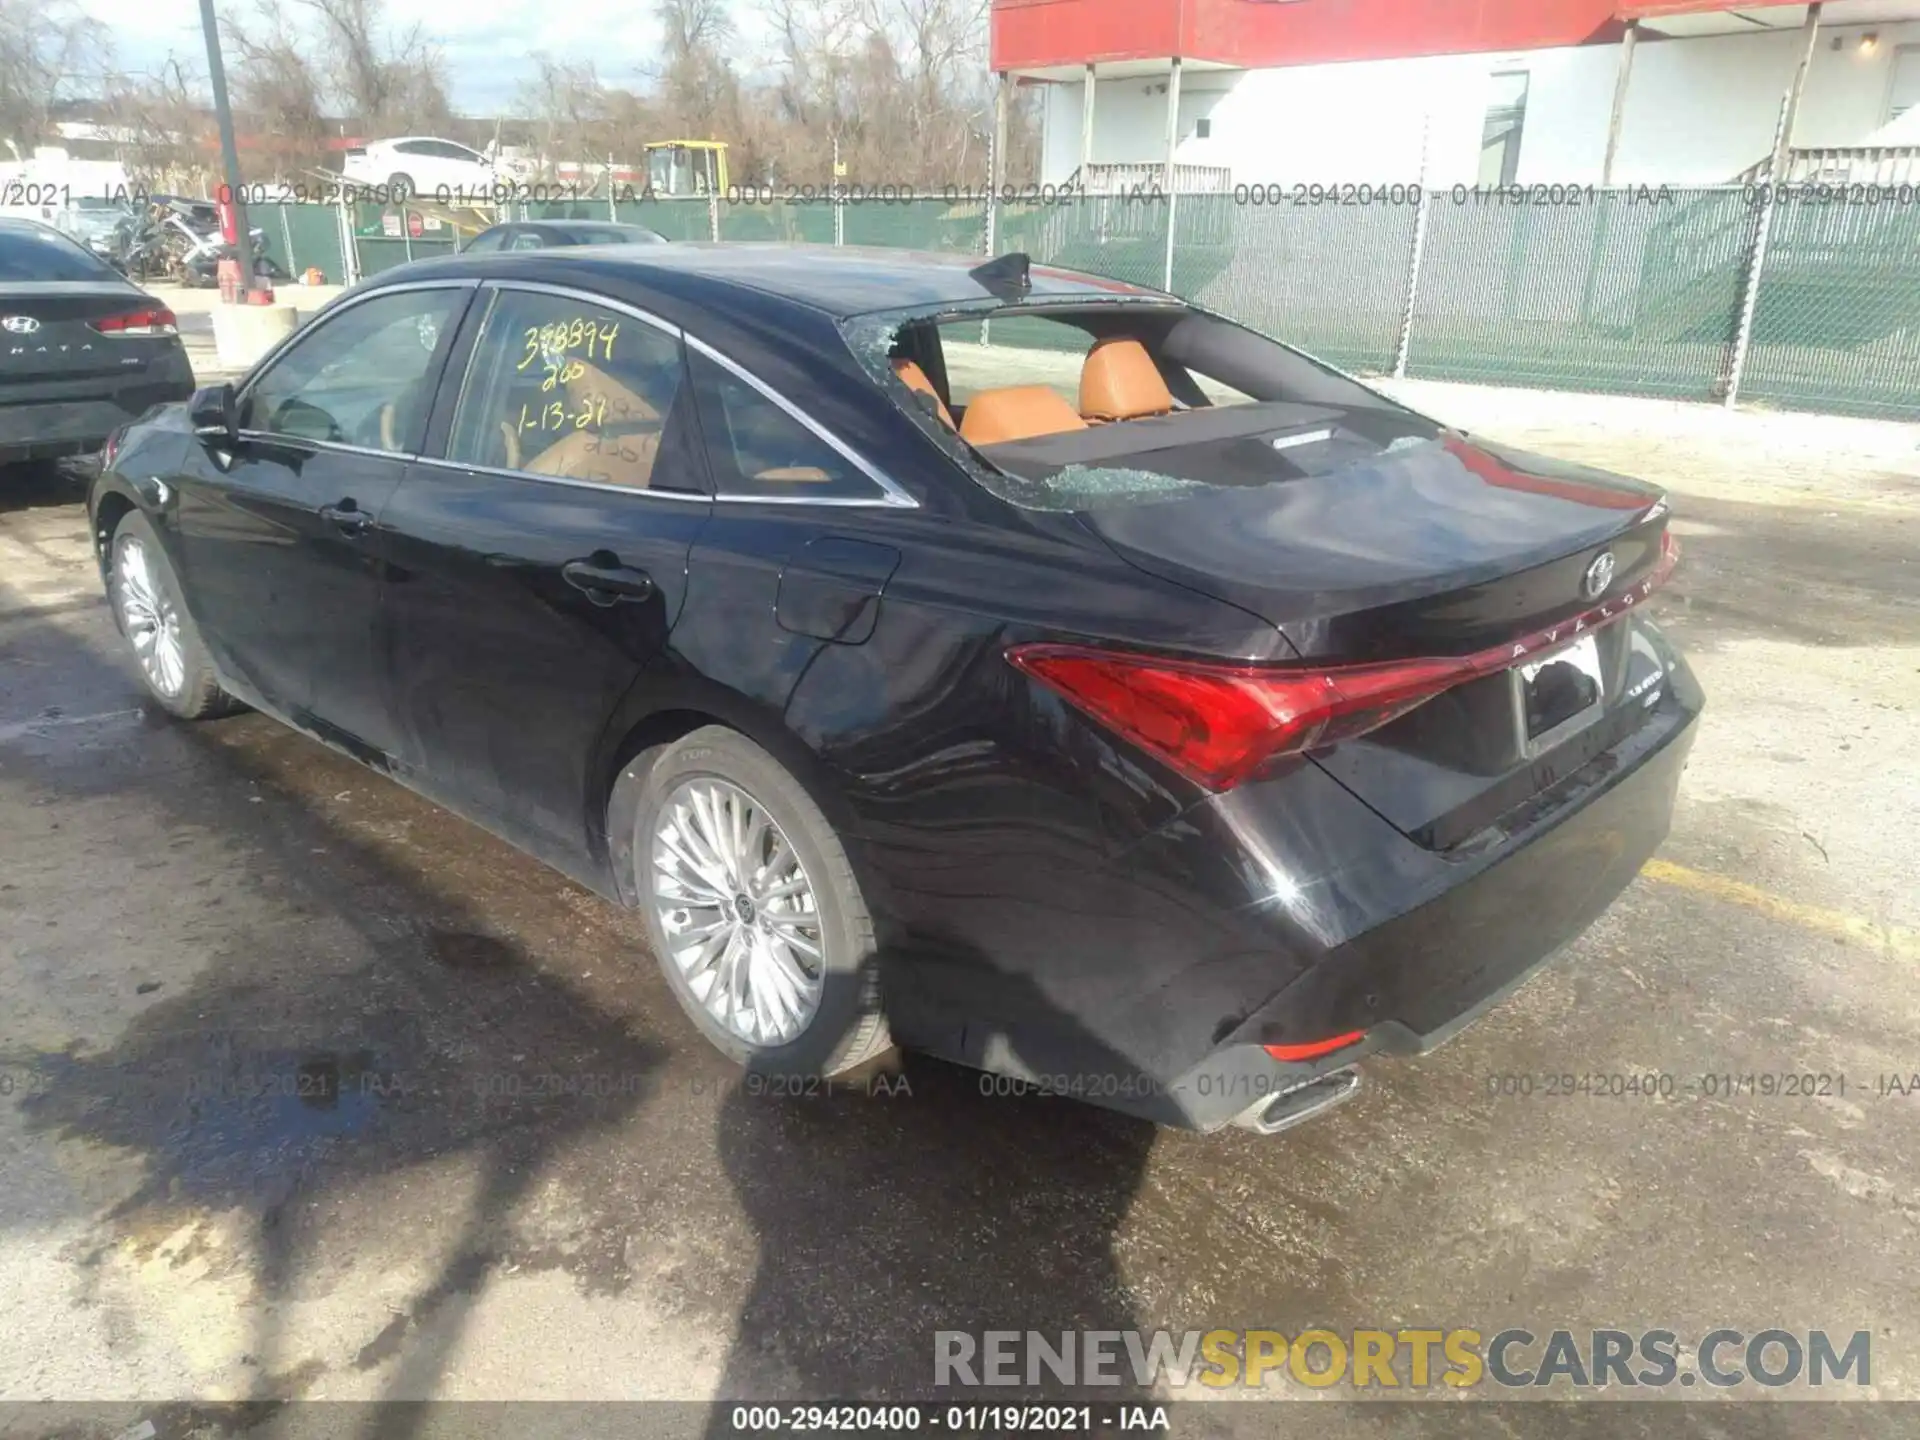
pixel 1271 1114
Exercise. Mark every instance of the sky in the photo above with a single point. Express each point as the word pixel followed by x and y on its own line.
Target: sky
pixel 487 43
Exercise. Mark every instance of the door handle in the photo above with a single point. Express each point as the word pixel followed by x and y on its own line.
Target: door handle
pixel 347 517
pixel 609 583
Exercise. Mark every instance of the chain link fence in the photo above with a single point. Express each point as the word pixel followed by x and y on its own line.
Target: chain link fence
pixel 1627 291
pixel 1836 322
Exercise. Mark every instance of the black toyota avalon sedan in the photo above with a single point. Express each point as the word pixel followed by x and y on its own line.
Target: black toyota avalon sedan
pixel 994 660
pixel 82 349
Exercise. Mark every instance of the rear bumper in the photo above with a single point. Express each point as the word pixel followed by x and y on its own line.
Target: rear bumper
pixel 78 418
pixel 1415 982
pixel 1286 912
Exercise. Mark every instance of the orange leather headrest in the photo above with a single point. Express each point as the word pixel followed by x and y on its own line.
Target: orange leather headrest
pixel 914 378
pixel 1120 382
pixel 1018 412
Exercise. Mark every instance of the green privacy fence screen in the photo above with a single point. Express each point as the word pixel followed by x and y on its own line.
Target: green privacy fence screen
pixel 1618 294
pixel 1628 291
pixel 1836 324
pixel 1330 279
pixel 299 236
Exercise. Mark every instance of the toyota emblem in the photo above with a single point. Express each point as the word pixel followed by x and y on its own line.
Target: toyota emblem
pixel 19 324
pixel 1599 576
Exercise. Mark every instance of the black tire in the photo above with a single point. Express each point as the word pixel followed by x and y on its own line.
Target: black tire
pixel 198 695
pixel 399 187
pixel 848 1027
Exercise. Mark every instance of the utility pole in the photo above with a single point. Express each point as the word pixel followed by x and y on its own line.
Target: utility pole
pixel 229 152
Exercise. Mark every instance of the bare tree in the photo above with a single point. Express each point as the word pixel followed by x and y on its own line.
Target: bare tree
pixel 568 106
pixel 699 90
pixel 163 131
pixel 384 81
pixel 278 87
pixel 50 51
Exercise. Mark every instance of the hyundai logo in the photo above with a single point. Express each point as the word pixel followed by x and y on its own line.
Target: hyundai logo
pixel 1599 576
pixel 20 325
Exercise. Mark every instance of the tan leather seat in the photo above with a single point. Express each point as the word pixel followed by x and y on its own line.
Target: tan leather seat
pixel 1018 412
pixel 914 378
pixel 1119 381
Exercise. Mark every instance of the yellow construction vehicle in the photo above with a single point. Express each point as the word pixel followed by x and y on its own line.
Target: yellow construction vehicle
pixel 678 168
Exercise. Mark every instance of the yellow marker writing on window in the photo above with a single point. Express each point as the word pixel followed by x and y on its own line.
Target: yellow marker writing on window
pixel 554 341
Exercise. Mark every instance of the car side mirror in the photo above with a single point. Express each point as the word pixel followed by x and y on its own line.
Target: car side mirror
pixel 214 411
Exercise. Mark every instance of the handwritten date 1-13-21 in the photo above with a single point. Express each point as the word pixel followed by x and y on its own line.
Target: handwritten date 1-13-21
pixel 563 336
pixel 589 414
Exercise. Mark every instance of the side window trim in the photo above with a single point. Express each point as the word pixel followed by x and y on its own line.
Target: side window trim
pixel 436 371
pixel 452 389
pixel 891 496
pixel 491 290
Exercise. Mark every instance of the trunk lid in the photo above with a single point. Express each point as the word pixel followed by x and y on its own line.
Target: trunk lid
pixel 45 334
pixel 1425 546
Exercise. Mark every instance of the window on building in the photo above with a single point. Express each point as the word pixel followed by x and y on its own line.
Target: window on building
pixel 1202 129
pixel 1500 135
pixel 1904 92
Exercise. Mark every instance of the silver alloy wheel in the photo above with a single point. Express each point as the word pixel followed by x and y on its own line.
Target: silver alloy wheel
pixel 738 911
pixel 151 616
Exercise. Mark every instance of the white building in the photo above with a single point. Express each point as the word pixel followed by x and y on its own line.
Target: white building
pixel 1699 98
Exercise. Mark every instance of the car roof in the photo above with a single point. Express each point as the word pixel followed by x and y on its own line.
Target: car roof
pixel 577 223
pixel 843 281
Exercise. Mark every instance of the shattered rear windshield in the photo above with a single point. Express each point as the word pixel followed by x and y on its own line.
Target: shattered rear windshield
pixel 1063 405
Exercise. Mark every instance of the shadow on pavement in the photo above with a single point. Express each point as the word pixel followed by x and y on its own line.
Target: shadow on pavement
pixel 919 1198
pixel 350 1025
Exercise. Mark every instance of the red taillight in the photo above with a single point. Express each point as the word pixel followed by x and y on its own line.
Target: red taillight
pixel 158 321
pixel 1314 1049
pixel 1220 724
pixel 109 450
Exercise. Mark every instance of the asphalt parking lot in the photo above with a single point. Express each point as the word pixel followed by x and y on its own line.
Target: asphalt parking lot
pixel 534 1180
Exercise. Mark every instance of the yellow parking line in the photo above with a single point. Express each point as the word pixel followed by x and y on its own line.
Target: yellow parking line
pixel 1896 941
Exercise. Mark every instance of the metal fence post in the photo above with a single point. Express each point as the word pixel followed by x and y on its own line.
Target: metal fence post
pixel 1172 207
pixel 1750 299
pixel 1414 261
pixel 349 245
pixel 713 214
pixel 286 234
pixel 613 207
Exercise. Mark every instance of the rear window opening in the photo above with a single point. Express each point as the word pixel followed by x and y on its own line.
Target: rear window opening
pixel 1060 405
pixel 31 252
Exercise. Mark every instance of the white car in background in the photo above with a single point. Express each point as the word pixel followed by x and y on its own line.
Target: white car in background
pixel 427 167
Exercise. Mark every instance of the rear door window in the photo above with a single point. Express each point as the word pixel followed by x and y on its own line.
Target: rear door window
pixel 760 450
pixel 565 388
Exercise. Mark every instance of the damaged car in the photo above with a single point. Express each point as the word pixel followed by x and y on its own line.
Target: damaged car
pixel 1007 663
